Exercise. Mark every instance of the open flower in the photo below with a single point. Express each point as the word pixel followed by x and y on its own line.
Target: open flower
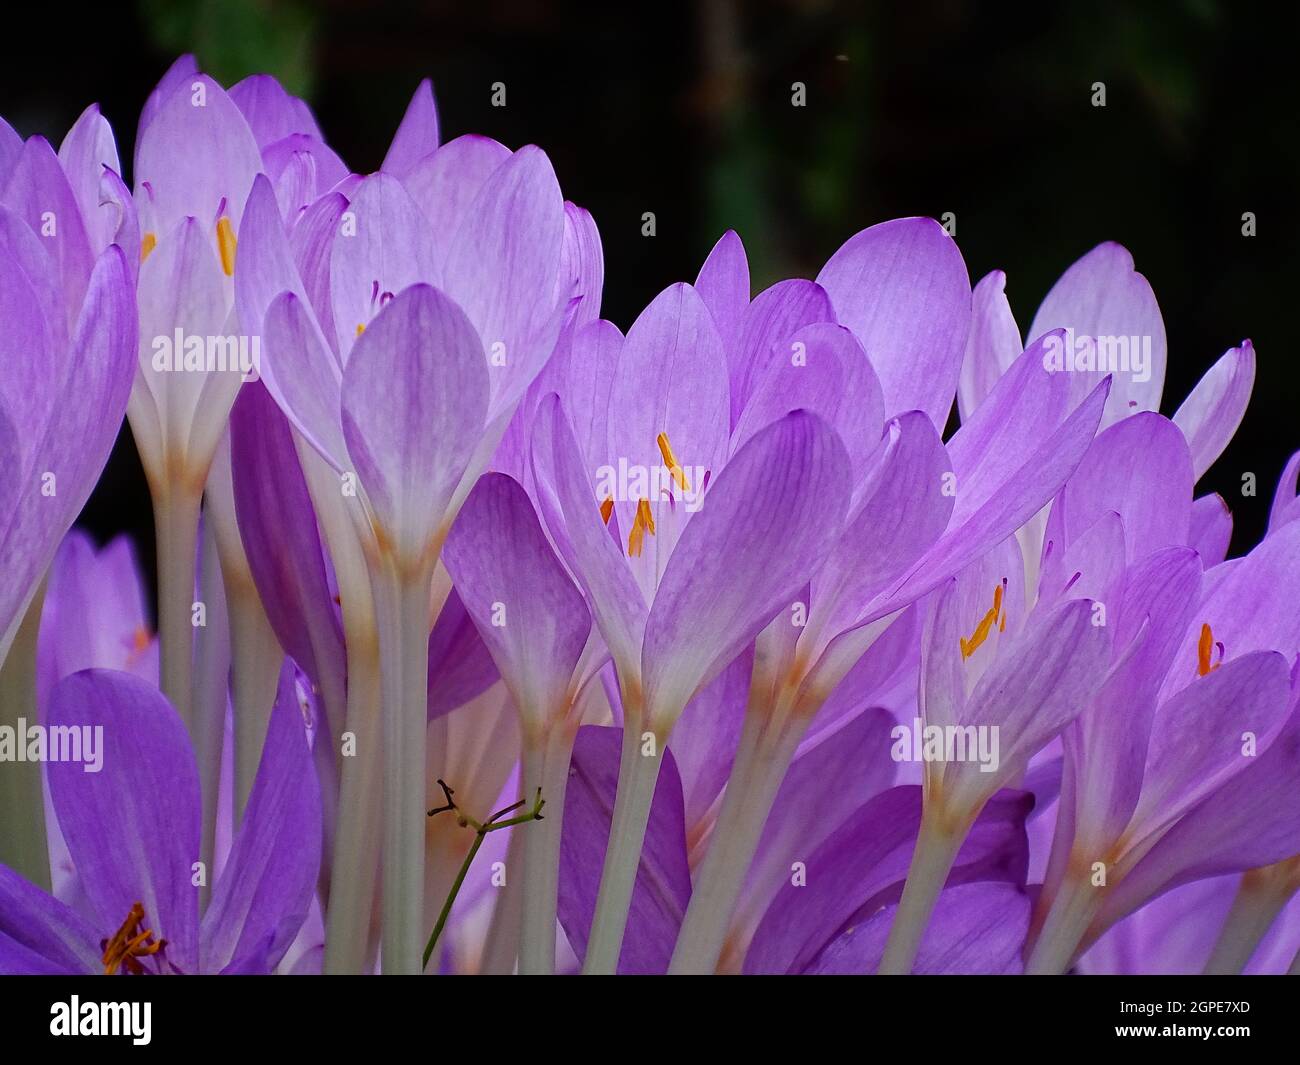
pixel 804 686
pixel 1193 733
pixel 919 512
pixel 133 833
pixel 405 316
pixel 676 611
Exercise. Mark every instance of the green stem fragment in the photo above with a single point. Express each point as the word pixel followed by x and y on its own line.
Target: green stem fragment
pixel 481 829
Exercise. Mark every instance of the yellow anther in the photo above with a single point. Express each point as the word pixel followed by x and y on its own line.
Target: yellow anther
pixel 130 943
pixel 1204 649
pixel 642 524
pixel 147 244
pixel 670 460
pixel 607 509
pixel 361 328
pixel 226 244
pixel 982 630
pixel 140 640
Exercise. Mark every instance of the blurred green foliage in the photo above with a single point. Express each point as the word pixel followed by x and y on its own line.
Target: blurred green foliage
pixel 235 38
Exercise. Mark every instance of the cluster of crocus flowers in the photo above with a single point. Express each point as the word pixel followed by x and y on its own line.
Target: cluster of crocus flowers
pixel 492 638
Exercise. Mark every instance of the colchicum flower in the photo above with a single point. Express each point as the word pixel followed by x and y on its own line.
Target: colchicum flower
pixel 67 321
pixel 538 629
pixel 401 334
pixel 132 830
pixel 491 638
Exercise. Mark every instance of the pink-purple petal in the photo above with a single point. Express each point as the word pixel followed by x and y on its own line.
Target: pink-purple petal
pixel 86 152
pixel 993 345
pixel 862 865
pixel 663 880
pixel 1153 496
pixel 671 379
pixel 39 935
pixel 571 513
pixel 197 157
pixel 266 887
pixel 39 191
pixel 764 526
pixel 902 287
pixel 133 827
pixel 976 929
pixel 1286 504
pixel 527 610
pixel 1210 528
pixel 723 285
pixel 271 112
pixel 504 261
pixel 1103 296
pixel 1210 414
pixel 383 250
pixel 277 525
pixel 417 135
pixel 767 330
pixel 415 394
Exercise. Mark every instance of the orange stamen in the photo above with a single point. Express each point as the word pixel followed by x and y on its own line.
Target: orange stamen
pixel 129 943
pixel 642 524
pixel 607 509
pixel 226 244
pixel 670 460
pixel 147 244
pixel 982 630
pixel 1204 649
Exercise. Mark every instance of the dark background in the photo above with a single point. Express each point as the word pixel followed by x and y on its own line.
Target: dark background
pixel 921 107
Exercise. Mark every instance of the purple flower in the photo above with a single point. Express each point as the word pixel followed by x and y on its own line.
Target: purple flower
pixel 133 833
pixel 95 614
pixel 689 591
pixel 538 630
pixel 806 688
pixel 919 511
pixel 68 318
pixel 405 316
pixel 55 446
pixel 1223 924
pixel 1209 657
pixel 198 151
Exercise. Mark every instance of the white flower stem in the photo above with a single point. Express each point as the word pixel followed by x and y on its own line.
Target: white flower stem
pixel 1259 899
pixel 1069 916
pixel 402 612
pixel 936 849
pixel 23 846
pixel 255 661
pixel 255 653
pixel 637 775
pixel 176 524
pixel 351 922
pixel 211 686
pixel 501 945
pixel 762 760
pixel 546 766
pixel 349 938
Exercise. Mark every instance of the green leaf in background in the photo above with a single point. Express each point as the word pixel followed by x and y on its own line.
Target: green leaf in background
pixel 235 38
